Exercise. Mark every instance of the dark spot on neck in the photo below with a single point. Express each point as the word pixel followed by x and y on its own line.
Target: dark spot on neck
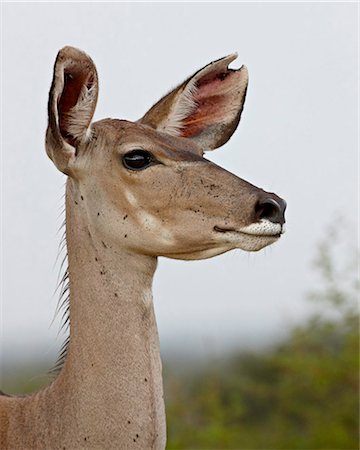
pixel 82 198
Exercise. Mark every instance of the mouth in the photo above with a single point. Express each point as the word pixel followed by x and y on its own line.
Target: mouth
pixel 262 229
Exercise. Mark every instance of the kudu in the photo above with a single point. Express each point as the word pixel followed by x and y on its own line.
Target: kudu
pixel 134 191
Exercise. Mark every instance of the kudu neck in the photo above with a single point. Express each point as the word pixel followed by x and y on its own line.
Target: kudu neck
pixel 105 281
pixel 113 363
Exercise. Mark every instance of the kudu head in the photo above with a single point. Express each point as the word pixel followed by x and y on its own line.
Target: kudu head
pixel 145 186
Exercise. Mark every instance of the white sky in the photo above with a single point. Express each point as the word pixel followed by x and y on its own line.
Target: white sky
pixel 297 137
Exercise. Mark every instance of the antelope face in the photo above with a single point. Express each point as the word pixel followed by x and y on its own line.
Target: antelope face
pixel 146 186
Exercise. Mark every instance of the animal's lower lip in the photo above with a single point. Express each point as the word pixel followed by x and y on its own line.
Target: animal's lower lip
pixel 232 230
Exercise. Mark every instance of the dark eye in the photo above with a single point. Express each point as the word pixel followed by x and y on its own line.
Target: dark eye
pixel 137 159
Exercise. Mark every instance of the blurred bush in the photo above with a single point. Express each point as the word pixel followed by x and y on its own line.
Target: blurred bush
pixel 302 394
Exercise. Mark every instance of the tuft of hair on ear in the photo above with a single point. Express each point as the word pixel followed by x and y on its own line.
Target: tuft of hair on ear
pixel 75 122
pixel 173 123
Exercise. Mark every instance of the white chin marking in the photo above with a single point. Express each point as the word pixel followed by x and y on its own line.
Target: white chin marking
pixel 253 243
pixel 262 228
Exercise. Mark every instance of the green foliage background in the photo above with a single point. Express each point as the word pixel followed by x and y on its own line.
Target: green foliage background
pixel 301 394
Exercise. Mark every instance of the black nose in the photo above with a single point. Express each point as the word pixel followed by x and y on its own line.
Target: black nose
pixel 271 209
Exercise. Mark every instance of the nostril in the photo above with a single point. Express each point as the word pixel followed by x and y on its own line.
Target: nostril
pixel 271 210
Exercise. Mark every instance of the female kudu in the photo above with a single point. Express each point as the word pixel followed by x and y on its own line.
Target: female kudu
pixel 134 191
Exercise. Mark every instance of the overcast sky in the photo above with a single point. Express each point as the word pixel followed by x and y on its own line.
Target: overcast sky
pixel 297 137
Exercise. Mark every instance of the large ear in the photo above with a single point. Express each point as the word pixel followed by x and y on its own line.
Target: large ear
pixel 206 107
pixel 72 101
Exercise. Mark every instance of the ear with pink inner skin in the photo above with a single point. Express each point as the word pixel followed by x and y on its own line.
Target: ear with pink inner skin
pixel 72 101
pixel 205 108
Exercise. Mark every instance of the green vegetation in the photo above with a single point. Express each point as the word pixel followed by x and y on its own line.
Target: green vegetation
pixel 303 394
